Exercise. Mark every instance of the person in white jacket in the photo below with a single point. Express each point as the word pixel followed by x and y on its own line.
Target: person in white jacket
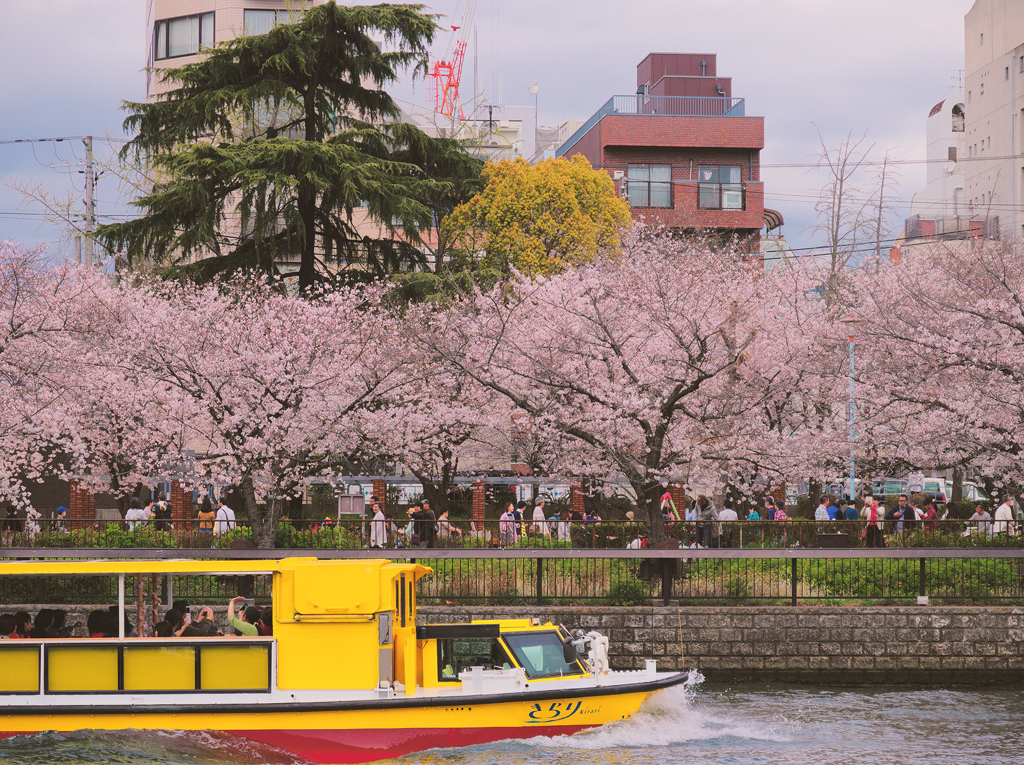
pixel 1004 519
pixel 540 521
pixel 378 528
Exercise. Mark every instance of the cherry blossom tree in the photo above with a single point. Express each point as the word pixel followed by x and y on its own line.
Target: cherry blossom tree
pixel 651 366
pixel 266 384
pixel 39 369
pixel 428 421
pixel 942 334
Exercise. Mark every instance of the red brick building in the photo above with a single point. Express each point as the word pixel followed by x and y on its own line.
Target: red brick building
pixel 681 149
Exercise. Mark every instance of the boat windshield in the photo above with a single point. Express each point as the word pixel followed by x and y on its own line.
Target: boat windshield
pixel 540 654
pixel 455 655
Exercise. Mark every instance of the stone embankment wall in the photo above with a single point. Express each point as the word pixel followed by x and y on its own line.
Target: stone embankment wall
pixel 913 645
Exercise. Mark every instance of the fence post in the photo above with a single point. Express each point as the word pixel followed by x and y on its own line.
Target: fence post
pixel 922 592
pixel 793 580
pixel 540 580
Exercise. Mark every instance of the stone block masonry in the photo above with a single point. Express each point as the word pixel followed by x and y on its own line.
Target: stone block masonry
pixel 885 645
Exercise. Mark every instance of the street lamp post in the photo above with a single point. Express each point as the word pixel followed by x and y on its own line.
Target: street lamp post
pixel 853 429
pixel 850 323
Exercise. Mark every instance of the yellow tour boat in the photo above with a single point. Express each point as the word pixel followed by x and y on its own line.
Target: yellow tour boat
pixel 347 676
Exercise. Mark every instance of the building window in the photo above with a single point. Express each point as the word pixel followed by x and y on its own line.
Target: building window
pixel 958 118
pixel 952 154
pixel 982 41
pixel 720 187
pixel 981 89
pixel 1007 72
pixel 183 36
pixel 261 22
pixel 649 185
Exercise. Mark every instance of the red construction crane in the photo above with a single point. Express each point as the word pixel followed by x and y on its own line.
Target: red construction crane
pixel 446 73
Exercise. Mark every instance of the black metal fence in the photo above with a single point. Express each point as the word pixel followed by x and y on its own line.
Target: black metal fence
pixel 609 577
pixel 354 533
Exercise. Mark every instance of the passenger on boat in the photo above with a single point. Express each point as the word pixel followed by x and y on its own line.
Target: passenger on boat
pixel 181 624
pixel 163 629
pixel 22 624
pixel 246 626
pixel 6 626
pixel 60 627
pixel 265 625
pixel 129 628
pixel 101 624
pixel 204 621
pixel 42 623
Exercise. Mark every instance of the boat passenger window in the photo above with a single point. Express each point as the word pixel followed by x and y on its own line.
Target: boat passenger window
pixel 455 655
pixel 540 654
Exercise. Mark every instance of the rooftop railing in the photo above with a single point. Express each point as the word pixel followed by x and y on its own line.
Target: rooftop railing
pixel 659 106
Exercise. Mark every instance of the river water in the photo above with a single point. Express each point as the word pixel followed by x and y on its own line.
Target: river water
pixel 706 723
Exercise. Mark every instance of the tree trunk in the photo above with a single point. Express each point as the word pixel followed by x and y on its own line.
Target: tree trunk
pixel 263 523
pixel 307 211
pixel 648 504
pixel 958 484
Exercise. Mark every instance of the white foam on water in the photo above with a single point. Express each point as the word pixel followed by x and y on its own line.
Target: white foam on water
pixel 673 716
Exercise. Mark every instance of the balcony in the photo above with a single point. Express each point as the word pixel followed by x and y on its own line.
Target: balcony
pixel 658 106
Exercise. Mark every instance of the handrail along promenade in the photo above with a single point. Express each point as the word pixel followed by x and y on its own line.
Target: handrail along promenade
pixel 590 576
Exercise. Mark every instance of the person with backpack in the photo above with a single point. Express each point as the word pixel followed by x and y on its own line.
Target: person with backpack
pixel 225 520
pixel 162 512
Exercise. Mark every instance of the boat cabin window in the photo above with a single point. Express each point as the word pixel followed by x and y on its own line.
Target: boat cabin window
pixel 540 654
pixel 455 655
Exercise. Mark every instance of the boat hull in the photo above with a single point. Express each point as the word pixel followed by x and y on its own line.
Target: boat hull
pixel 363 735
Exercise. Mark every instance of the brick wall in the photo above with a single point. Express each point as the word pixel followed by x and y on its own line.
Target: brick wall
pixel 82 511
pixel 921 645
pixel 479 502
pixel 181 502
pixel 576 497
pixel 380 491
pixel 706 132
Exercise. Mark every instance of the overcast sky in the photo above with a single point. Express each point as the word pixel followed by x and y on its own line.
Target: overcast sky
pixel 867 66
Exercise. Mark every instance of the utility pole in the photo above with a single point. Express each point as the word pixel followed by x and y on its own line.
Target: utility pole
pixel 90 202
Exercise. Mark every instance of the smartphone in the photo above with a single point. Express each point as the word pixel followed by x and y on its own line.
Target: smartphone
pixel 246 602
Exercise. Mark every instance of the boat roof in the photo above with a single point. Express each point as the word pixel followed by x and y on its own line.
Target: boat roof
pixel 174 566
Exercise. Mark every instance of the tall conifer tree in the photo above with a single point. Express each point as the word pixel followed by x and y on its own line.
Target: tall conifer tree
pixel 270 145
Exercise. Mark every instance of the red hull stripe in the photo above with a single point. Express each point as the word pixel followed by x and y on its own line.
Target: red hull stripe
pixel 333 747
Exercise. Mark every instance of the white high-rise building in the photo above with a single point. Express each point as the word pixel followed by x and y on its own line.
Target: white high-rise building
pixel 943 196
pixel 994 105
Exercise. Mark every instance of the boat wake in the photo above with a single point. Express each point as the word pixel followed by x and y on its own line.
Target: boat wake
pixel 674 716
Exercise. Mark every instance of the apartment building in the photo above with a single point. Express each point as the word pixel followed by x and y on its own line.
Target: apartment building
pixel 179 29
pixel 681 149
pixel 994 104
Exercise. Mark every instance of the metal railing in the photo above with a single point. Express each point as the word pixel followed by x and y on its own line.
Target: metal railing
pixel 609 577
pixel 655 106
pixel 354 533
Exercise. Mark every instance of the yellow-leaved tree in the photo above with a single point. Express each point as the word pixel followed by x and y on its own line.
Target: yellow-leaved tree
pixel 538 219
